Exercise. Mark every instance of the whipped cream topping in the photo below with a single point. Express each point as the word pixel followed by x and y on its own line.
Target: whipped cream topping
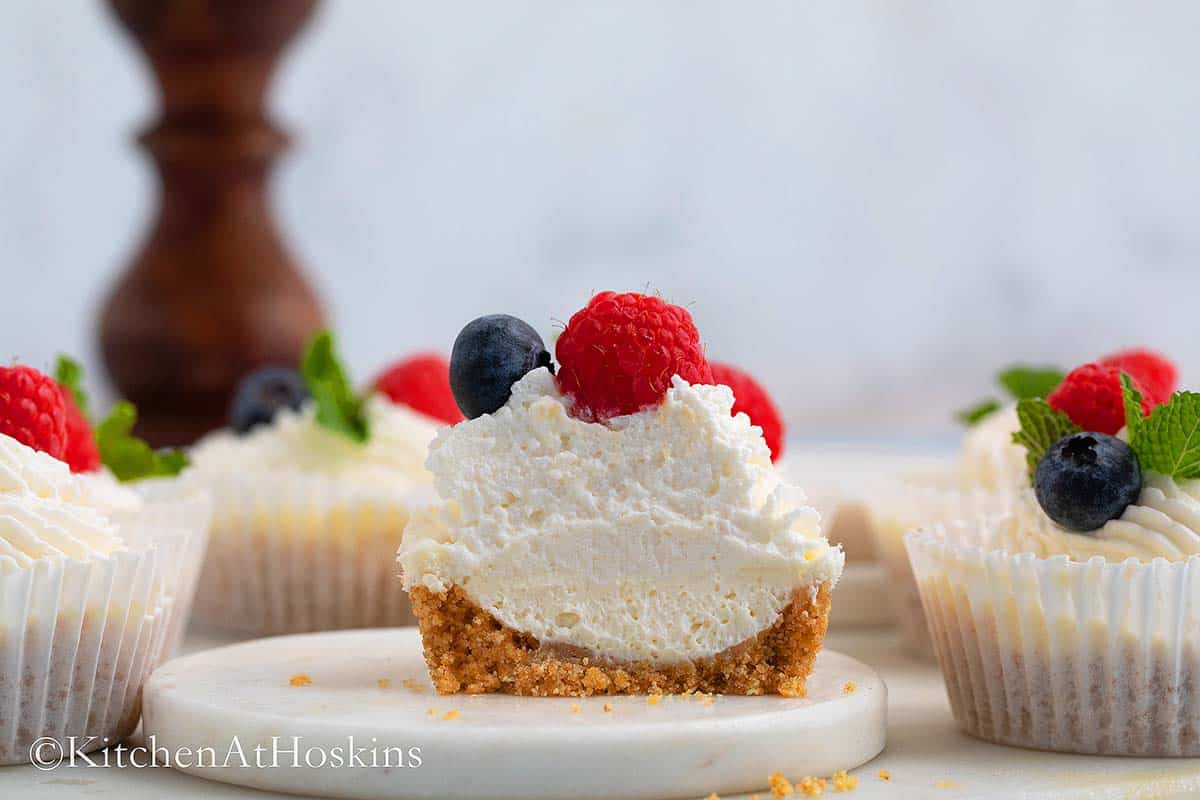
pixel 295 442
pixel 1163 523
pixel 989 459
pixel 664 535
pixel 48 512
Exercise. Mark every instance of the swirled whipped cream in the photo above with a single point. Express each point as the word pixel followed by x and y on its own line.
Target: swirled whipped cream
pixel 1163 523
pixel 664 535
pixel 48 512
pixel 989 459
pixel 295 442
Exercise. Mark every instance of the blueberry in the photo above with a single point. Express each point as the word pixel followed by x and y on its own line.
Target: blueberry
pixel 490 355
pixel 261 394
pixel 1086 479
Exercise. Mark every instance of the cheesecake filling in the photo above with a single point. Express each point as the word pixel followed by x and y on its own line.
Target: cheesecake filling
pixel 660 536
pixel 989 459
pixel 1163 523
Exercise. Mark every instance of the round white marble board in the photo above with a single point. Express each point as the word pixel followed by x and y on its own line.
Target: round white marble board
pixel 373 686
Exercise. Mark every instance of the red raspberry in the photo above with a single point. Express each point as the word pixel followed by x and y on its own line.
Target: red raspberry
pixel 618 355
pixel 1091 396
pixel 32 410
pixel 750 398
pixel 421 382
pixel 82 454
pixel 1158 377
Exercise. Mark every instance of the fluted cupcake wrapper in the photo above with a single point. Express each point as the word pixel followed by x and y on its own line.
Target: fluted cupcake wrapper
pixel 1055 654
pixel 77 639
pixel 176 523
pixel 899 506
pixel 298 553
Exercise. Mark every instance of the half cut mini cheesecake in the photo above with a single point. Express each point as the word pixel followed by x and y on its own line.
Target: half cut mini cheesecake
pixel 577 553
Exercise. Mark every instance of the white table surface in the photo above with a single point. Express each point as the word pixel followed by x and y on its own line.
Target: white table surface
pixel 926 756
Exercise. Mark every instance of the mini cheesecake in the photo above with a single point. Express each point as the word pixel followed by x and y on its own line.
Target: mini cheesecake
pixel 653 552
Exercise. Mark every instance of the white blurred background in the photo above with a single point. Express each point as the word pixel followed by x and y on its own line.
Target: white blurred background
pixel 872 206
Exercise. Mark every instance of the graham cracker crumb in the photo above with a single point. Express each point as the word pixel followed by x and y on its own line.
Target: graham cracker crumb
pixel 384 683
pixel 884 775
pixel 843 782
pixel 780 786
pixel 947 785
pixel 608 708
pixel 654 699
pixel 755 797
pixel 300 679
pixel 850 688
pixel 713 796
pixel 451 714
pixel 468 650
pixel 412 684
pixel 709 701
pixel 811 787
pixel 576 708
pixel 431 713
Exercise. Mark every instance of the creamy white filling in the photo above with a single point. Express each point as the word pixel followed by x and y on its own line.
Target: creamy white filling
pixel 294 442
pixel 665 535
pixel 47 512
pixel 1163 523
pixel 989 459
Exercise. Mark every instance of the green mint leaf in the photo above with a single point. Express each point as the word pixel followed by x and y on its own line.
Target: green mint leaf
pixel 338 407
pixel 1133 406
pixel 69 374
pixel 128 457
pixel 978 412
pixel 1025 382
pixel 1041 426
pixel 1168 441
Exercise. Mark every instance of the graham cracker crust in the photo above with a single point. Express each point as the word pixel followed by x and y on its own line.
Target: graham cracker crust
pixel 467 650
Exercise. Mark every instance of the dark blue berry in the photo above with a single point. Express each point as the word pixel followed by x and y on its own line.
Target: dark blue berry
pixel 1086 479
pixel 490 355
pixel 261 394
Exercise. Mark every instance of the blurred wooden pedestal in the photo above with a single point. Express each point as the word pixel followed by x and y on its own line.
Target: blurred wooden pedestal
pixel 213 292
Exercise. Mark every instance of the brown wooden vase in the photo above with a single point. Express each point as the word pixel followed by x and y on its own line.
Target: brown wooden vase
pixel 214 292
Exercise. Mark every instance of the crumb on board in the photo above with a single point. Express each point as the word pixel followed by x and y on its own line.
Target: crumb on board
pixel 576 708
pixel 451 714
pixel 850 688
pixel 780 786
pixel 412 685
pixel 713 796
pixel 811 787
pixel 947 785
pixel 384 683
pixel 884 775
pixel 608 708
pixel 842 782
pixel 300 679
pixel 653 699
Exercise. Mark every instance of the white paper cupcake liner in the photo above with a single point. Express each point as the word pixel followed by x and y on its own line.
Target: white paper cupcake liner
pixel 299 553
pixel 176 522
pixel 899 506
pixel 77 639
pixel 1054 654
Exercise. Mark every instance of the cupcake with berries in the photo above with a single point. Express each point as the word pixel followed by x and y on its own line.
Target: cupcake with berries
pixel 988 475
pixel 93 573
pixel 1070 623
pixel 312 485
pixel 611 523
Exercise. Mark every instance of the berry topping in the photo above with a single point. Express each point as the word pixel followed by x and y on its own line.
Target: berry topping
pixel 750 398
pixel 33 410
pixel 1091 396
pixel 1086 479
pixel 490 355
pixel 1157 377
pixel 82 454
pixel 421 382
pixel 619 354
pixel 263 393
